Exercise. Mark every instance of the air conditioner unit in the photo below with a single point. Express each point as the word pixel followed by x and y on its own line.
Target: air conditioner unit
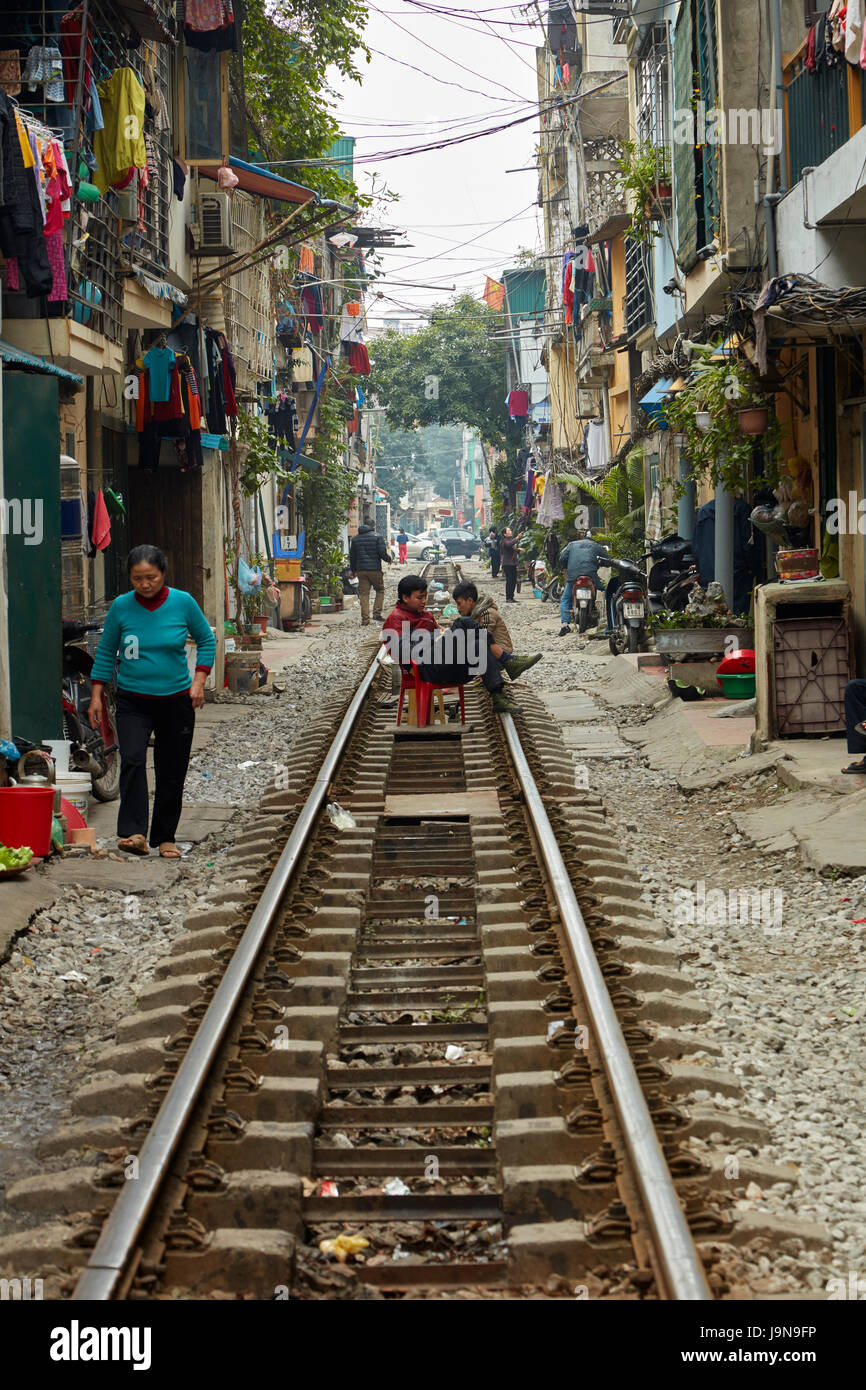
pixel 215 225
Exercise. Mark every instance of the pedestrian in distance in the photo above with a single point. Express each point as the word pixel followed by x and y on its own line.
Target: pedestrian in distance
pixel 492 543
pixel 144 638
pixel 482 609
pixel 508 552
pixel 366 553
pixel 402 542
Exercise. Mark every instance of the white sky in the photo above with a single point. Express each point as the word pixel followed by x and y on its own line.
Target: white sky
pixel 450 196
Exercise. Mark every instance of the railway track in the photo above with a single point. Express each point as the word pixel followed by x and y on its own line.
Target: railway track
pixel 446 1039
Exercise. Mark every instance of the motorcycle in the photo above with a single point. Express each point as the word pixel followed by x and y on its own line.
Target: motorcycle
pixel 583 602
pixel 92 750
pixel 673 574
pixel 627 608
pixel 548 585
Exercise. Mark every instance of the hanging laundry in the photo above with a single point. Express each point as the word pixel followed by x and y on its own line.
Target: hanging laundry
pixel 216 404
pixel 836 19
pixel 160 363
pixel 352 323
pixel 595 445
pixel 311 298
pixel 70 47
pixel 582 271
pixel 21 211
pixel 178 179
pixel 518 404
pixel 551 507
pixel 120 147
pixel 100 533
pixel 854 31
pixel 307 260
pixel 44 67
pixel 10 71
pixel 209 25
pixel 229 381
pixel 359 359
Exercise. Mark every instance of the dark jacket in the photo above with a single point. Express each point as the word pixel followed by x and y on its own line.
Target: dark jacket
pixel 508 550
pixel 582 557
pixel 367 550
pixel 402 538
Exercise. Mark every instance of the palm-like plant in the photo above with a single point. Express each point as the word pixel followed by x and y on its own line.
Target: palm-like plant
pixel 620 495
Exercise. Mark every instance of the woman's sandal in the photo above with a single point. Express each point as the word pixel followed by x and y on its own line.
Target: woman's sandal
pixel 856 767
pixel 169 850
pixel 134 844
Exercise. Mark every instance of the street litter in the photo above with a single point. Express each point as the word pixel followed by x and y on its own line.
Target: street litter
pixel 74 977
pixel 553 1028
pixel 339 817
pixel 343 1246
pixel 454 1053
pixel 250 762
pixel 395 1187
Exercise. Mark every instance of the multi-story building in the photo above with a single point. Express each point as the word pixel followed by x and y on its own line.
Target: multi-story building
pixel 166 235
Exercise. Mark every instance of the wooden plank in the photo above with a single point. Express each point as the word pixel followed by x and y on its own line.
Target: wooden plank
pixel 455 804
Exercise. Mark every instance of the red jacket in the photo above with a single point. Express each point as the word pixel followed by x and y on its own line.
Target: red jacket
pixel 401 614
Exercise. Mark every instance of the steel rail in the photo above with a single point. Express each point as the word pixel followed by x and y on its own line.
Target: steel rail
pixel 680 1263
pixel 111 1255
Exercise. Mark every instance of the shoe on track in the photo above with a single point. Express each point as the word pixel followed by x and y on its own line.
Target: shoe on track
pixel 502 703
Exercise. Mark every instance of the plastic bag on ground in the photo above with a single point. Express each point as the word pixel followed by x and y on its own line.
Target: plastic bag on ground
pixel 339 817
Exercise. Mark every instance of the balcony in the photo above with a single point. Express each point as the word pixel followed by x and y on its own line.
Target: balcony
pixel 822 112
pixel 638 295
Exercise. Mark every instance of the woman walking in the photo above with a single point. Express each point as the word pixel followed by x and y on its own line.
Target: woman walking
pixel 508 550
pixel 147 629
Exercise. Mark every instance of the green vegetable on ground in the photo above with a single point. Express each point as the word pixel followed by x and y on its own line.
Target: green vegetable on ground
pixel 15 858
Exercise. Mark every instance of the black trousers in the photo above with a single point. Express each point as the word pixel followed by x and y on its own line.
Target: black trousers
pixel 494 564
pixel 444 673
pixel 855 713
pixel 510 572
pixel 171 721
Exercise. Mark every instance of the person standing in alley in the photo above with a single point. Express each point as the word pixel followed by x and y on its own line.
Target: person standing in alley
pixel 145 636
pixel 366 553
pixel 508 551
pixel 402 542
pixel 493 551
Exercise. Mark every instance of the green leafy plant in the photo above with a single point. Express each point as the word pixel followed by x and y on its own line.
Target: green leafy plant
pixel 258 458
pixel 645 177
pixel 667 621
pixel 620 495
pixel 721 452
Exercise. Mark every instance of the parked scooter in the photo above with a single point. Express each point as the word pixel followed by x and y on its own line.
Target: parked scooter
pixel 673 574
pixel 548 585
pixel 583 609
pixel 92 750
pixel 628 608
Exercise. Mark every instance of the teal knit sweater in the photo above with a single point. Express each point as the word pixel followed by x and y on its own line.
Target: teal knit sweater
pixel 151 644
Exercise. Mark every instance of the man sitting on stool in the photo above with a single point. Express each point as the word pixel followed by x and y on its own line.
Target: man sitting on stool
pixel 446 658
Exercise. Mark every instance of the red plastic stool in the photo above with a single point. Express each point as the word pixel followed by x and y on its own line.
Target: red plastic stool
pixel 423 690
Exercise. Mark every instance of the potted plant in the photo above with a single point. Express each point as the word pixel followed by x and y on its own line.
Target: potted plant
pixel 645 179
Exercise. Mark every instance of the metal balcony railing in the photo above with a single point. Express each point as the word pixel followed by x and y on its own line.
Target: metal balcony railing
pixel 638 293
pixel 817 112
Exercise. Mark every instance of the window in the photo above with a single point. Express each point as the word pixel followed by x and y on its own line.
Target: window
pixel 652 82
pixel 696 163
pixel 205 108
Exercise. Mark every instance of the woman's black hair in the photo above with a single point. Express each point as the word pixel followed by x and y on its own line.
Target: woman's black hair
pixel 146 555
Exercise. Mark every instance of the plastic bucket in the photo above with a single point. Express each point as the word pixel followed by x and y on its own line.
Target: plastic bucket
pixel 25 818
pixel 60 752
pixel 75 788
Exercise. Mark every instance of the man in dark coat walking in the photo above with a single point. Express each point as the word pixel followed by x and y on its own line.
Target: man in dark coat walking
pixel 366 553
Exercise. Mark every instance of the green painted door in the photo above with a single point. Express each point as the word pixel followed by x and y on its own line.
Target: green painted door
pixel 31 516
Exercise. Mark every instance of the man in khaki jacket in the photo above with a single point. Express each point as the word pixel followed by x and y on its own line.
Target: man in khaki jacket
pixel 481 607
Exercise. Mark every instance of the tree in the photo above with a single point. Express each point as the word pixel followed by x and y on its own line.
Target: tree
pixel 288 46
pixel 452 372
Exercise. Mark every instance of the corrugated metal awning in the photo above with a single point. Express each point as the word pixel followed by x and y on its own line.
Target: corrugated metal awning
pixel 27 362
